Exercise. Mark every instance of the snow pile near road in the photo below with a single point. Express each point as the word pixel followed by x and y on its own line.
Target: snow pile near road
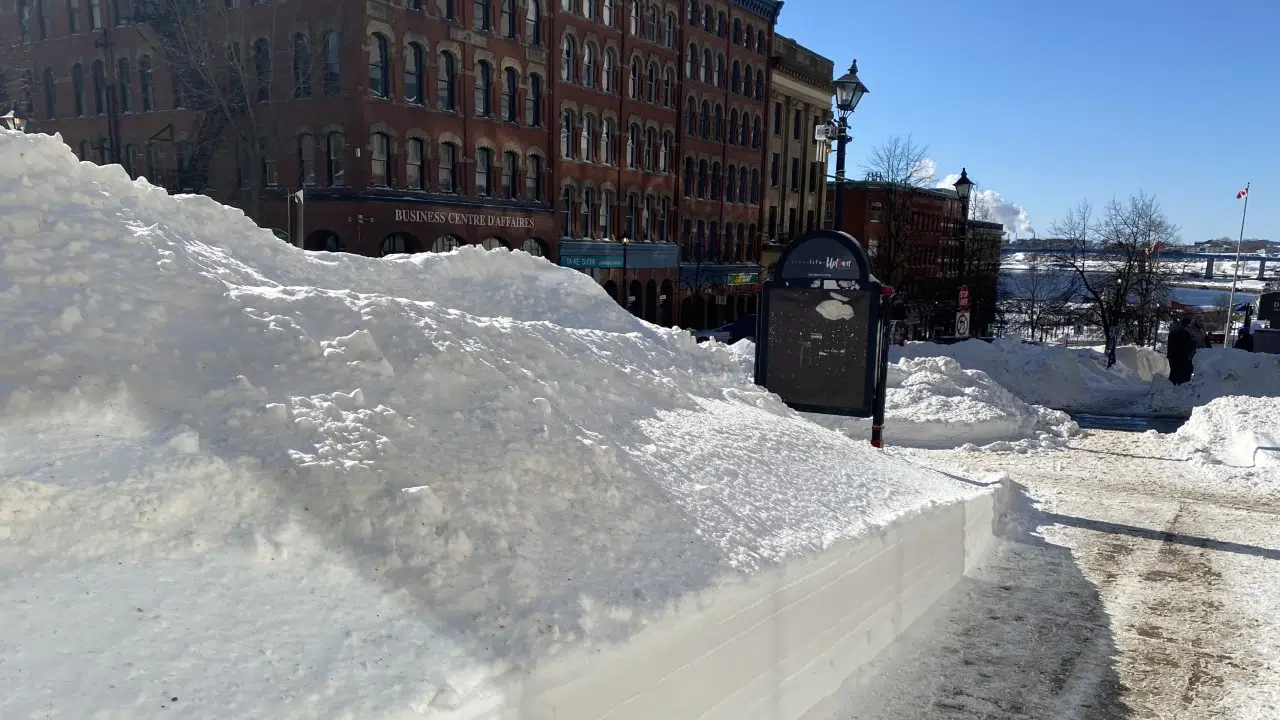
pixel 935 404
pixel 1219 373
pixel 240 480
pixel 1239 431
pixel 1068 379
pixel 1146 363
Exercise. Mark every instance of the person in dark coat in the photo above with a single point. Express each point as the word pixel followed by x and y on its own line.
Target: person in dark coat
pixel 1180 350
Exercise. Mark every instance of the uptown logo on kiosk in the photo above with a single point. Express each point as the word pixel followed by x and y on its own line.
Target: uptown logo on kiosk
pixel 470 219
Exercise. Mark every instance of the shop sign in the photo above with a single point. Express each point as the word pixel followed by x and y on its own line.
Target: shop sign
pixel 585 262
pixel 469 219
pixel 745 278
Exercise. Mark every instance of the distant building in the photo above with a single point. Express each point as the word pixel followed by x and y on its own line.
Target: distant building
pixel 796 167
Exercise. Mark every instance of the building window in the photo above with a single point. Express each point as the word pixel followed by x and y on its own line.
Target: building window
pixel 510 161
pixel 651 84
pixel 691 62
pixel 533 24
pixel 125 81
pixel 702 179
pixel 635 79
pixel 448 168
pixel 484 89
pixel 587 145
pixel 606 214
pixel 754 187
pixel 307 159
pixel 332 63
pixel 715 181
pixel 877 212
pixel 632 229
pixel 759 84
pixel 731 184
pixel 669 31
pixel 664 212
pixel 533 101
pixel 566 135
pixel 651 24
pixel 668 88
pixel 719 78
pixel 533 179
pixel 650 148
pixel 608 14
pixel 606 141
pixel 755 133
pixel 482 19
pixel 533 247
pixel 795 174
pixel 447 81
pixel 484 172
pixel 413 67
pixel 569 59
pixel 95 14
pixel 301 66
pixel 609 79
pixel 509 95
pixel 589 9
pixel 413 164
pixel 774 170
pixel 262 69
pixel 337 146
pixel 508 19
pixel 77 87
pixel 795 124
pixel 379 81
pixel 688 177
pixel 380 160
pixel 735 77
pixel 589 65
pixel 707 68
pixel 633 147
pixel 717 123
pixel 588 210
pixel 147 83
pixel 668 147
pixel 73 18
pixel 567 198
pixel 704 121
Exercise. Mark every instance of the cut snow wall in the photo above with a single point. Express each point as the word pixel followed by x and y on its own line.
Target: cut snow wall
pixel 774 647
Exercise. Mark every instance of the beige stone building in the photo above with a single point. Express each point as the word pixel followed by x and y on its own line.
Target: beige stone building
pixel 796 165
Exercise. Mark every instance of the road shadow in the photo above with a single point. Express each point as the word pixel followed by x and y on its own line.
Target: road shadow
pixel 1025 636
pixel 1161 536
pixel 1124 455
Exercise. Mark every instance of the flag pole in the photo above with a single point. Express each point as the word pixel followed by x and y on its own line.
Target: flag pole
pixel 1231 302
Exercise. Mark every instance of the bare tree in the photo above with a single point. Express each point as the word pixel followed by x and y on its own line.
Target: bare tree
pixel 229 63
pixel 1039 296
pixel 904 169
pixel 1115 268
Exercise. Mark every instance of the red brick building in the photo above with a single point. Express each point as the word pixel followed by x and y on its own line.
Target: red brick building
pixel 555 126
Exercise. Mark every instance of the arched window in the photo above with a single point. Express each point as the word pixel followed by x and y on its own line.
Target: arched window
pixel 694 15
pixel 651 24
pixel 50 95
pixel 448 175
pixel 484 89
pixel 588 210
pixel 651 83
pixel 690 117
pixel 668 88
pixel 307 159
pixel 124 78
pixel 567 63
pixel 337 148
pixel 533 178
pixel 759 84
pixel 568 199
pixel 396 244
pixel 510 183
pixel 691 62
pixel 493 243
pixel 717 124
pixel 733 126
pixel 735 77
pixel 669 31
pixel 414 89
pixel 147 83
pixel 635 79
pixel 414 155
pixel 510 88
pixel 704 121
pixel 753 188
pixel 664 155
pixel 482 19
pixel 745 138
pixel 633 147
pixel 447 82
pixel 707 18
pixel 688 177
pixel 533 246
pixel 446 243
pixel 731 184
pixel 720 23
pixel 634 17
pixel 533 24
pixel 746 81
pixel 589 65
pixel 707 67
pixel 608 14
pixel 736 37
pixel 742 185
pixel 715 181
pixel 607 133
pixel 567 124
pixel 750 41
pixel 650 148
pixel 608 80
pixel 484 172
pixel 719 71
pixel 533 101
pixel 508 18
pixel 587 145
pixel 262 69
pixel 589 9
pixel 332 63
pixel 760 42
pixel 380 160
pixel 379 66
pixel 702 179
pixel 755 133
pixel 77 88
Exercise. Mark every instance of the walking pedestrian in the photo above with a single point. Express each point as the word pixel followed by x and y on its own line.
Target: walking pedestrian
pixel 1180 350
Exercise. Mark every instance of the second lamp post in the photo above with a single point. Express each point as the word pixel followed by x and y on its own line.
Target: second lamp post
pixel 849 92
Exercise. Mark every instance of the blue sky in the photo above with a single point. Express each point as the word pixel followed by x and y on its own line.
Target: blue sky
pixel 1052 102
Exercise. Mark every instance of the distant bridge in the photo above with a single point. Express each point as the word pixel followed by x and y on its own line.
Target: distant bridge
pixel 1208 258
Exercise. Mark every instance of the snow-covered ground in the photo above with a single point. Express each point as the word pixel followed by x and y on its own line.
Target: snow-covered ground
pixel 240 480
pixel 1239 431
pixel 1130 585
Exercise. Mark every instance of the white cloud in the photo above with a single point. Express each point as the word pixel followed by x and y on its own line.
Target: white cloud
pixel 1014 217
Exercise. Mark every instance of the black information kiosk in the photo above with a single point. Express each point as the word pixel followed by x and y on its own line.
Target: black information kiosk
pixel 821 340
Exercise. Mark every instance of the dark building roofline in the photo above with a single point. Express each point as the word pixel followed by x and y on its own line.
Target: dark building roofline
pixel 767 9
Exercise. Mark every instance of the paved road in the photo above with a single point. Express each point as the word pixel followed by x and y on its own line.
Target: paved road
pixel 1138 586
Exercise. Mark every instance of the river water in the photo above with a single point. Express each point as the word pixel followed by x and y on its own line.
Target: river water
pixel 1009 287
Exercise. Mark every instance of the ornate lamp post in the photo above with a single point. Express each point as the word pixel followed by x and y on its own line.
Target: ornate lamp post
pixel 849 92
pixel 963 187
pixel 15 119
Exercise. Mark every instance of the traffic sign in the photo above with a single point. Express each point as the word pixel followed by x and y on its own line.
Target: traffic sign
pixel 964 298
pixel 962 323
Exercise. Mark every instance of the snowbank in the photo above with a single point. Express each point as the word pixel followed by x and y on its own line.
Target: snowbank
pixel 1239 431
pixel 1066 379
pixel 1143 361
pixel 1219 373
pixel 239 480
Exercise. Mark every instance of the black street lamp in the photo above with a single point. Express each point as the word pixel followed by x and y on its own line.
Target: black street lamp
pixel 963 187
pixel 849 92
pixel 626 293
pixel 15 119
pixel 359 221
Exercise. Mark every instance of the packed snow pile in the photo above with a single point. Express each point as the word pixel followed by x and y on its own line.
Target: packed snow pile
pixel 1143 361
pixel 240 480
pixel 1219 373
pixel 933 403
pixel 1066 379
pixel 1239 431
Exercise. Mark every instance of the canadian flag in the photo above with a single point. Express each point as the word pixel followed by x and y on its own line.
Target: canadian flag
pixel 1243 193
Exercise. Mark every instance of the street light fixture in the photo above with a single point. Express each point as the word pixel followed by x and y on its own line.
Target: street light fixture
pixel 626 293
pixel 15 119
pixel 849 92
pixel 963 187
